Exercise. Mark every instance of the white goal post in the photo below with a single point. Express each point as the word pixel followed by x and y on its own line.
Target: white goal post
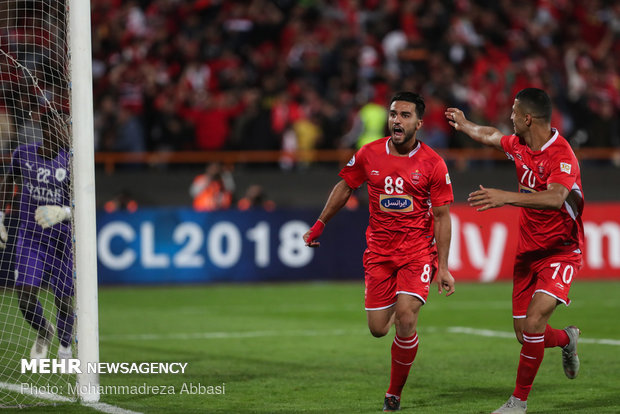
pixel 48 254
pixel 84 195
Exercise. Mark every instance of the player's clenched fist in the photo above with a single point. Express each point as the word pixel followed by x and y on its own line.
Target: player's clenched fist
pixel 314 233
pixel 47 216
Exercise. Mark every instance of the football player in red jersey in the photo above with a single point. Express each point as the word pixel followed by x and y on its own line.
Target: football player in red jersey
pixel 408 234
pixel 551 230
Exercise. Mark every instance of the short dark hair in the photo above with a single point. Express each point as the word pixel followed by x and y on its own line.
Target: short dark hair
pixel 412 97
pixel 535 102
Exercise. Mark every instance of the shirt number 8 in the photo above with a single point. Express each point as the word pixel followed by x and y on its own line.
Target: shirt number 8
pixel 389 185
pixel 425 277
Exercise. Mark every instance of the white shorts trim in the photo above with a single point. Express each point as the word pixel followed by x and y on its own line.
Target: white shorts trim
pixel 552 295
pixel 546 293
pixel 381 308
pixel 411 294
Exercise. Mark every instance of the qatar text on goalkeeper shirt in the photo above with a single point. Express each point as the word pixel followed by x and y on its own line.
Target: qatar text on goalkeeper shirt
pixel 74 366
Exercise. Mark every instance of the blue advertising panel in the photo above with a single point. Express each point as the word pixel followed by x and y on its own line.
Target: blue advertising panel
pixel 179 245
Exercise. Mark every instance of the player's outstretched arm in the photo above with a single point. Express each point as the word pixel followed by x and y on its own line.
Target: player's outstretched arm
pixel 337 199
pixel 551 199
pixel 443 234
pixel 486 135
pixel 47 216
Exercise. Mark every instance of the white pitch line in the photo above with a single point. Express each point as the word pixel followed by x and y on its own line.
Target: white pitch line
pixel 480 332
pixel 50 396
pixel 614 342
pixel 44 395
pixel 109 408
pixel 228 335
pixel 502 334
pixel 332 332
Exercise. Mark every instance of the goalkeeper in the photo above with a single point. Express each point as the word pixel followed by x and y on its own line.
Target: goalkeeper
pixel 43 248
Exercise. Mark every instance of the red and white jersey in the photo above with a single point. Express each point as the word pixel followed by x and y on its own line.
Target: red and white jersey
pixel 401 192
pixel 548 230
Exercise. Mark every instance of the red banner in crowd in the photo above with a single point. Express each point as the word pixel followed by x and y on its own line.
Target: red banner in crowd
pixel 484 243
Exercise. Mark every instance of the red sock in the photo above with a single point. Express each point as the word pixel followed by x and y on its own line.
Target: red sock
pixel 555 337
pixel 532 353
pixel 404 351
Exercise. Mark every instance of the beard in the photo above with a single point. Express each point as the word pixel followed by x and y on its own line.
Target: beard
pixel 405 138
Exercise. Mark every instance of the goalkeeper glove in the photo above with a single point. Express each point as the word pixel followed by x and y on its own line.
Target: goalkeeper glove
pixel 47 216
pixel 4 235
pixel 314 233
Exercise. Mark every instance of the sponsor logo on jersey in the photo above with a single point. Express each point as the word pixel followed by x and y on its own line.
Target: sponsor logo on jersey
pixel 565 167
pixel 351 162
pixel 415 177
pixel 396 203
pixel 541 170
pixel 374 172
pixel 448 178
pixel 43 194
pixel 61 174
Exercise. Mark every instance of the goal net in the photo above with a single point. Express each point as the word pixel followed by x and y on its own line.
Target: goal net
pixel 37 200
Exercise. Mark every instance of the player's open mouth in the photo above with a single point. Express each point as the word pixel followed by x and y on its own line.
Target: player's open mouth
pixel 397 131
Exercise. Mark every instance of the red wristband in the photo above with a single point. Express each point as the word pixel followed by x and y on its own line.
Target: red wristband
pixel 316 231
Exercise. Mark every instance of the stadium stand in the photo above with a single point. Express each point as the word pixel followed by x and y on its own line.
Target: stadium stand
pixel 256 70
pixel 273 83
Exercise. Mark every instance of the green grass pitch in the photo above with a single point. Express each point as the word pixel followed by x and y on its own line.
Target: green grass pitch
pixel 305 348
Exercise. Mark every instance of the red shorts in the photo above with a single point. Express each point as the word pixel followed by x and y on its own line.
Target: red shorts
pixel 552 275
pixel 388 276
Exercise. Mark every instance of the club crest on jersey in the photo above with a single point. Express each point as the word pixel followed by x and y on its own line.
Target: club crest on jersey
pixel 415 177
pixel 396 203
pixel 565 167
pixel 61 174
pixel 351 162
pixel 541 170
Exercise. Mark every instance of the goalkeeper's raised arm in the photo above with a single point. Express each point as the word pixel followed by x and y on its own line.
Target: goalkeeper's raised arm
pixel 486 135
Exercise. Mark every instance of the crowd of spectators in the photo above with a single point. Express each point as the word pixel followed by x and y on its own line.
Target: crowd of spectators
pixel 261 74
pixel 285 74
